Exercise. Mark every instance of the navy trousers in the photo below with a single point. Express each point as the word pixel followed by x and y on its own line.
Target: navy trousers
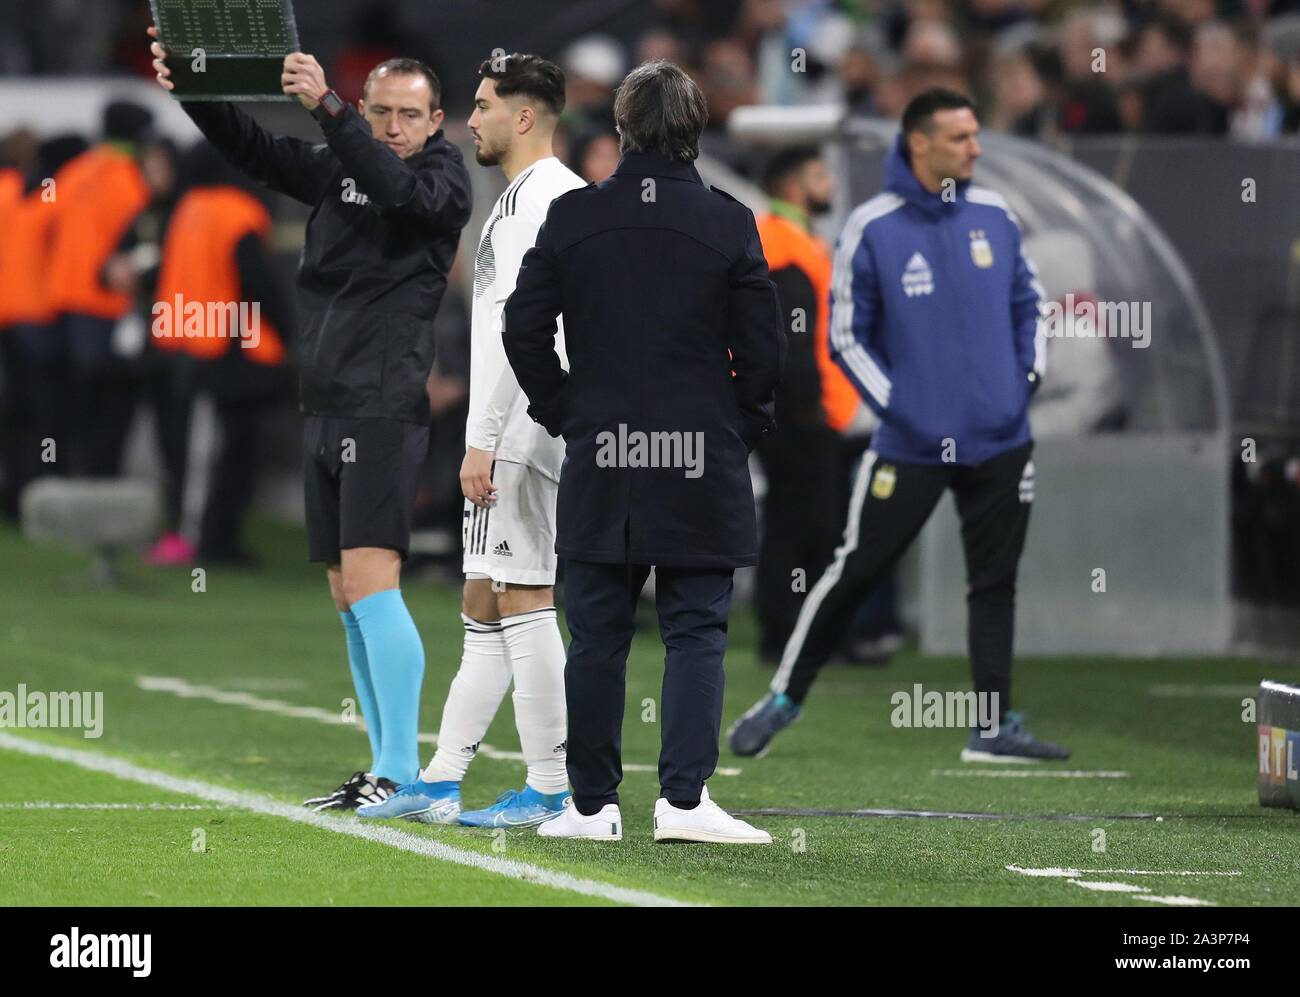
pixel 600 606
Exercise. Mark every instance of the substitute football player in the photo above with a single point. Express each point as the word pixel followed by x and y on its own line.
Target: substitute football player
pixel 390 195
pixel 935 317
pixel 510 478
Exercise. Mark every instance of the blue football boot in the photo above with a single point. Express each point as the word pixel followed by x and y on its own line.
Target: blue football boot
pixel 768 717
pixel 427 802
pixel 517 808
pixel 1012 744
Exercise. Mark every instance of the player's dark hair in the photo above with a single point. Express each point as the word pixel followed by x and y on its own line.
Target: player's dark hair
pixel 659 108
pixel 409 67
pixel 785 163
pixel 526 75
pixel 918 116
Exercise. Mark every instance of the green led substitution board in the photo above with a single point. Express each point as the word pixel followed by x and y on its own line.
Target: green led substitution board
pixel 226 49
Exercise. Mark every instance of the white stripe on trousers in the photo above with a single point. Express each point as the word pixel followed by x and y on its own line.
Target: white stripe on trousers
pixel 830 577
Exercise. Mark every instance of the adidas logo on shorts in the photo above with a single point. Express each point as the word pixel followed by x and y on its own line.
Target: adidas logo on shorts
pixel 502 550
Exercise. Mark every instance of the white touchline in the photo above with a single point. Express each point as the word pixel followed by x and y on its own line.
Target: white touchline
pixel 1033 773
pixel 46 805
pixel 257 803
pixel 190 690
pixel 1177 901
pixel 1071 876
pixel 1106 887
pixel 1140 893
pixel 1076 873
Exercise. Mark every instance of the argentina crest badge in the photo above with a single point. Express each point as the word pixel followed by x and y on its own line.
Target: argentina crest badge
pixel 882 482
pixel 981 253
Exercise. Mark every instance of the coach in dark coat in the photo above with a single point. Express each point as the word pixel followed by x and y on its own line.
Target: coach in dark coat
pixel 675 342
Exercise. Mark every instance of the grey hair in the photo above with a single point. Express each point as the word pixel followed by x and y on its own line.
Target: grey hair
pixel 659 108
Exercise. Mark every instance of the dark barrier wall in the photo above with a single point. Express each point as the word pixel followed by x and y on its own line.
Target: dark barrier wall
pixel 1243 252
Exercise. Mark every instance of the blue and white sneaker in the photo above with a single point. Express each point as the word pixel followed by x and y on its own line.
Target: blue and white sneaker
pixel 1012 745
pixel 768 717
pixel 427 802
pixel 518 808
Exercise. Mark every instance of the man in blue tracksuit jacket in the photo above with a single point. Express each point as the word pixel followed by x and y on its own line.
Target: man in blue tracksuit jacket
pixel 935 317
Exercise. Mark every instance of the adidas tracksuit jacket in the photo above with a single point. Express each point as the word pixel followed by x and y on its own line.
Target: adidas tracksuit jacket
pixel 934 316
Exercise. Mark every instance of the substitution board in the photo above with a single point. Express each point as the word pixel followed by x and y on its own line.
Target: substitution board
pixel 226 49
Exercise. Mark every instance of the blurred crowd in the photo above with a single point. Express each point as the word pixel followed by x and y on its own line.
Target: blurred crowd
pixel 1042 68
pixel 1039 68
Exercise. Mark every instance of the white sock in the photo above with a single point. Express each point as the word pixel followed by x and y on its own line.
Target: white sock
pixel 537 659
pixel 472 701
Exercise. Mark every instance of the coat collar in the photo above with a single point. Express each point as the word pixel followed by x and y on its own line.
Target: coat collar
pixel 656 164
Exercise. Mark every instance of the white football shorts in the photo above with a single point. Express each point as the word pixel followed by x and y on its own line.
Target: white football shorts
pixel 514 540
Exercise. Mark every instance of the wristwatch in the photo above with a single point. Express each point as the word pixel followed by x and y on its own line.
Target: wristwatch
pixel 332 104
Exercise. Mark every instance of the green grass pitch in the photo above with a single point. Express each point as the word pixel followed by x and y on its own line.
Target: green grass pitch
pixel 73 836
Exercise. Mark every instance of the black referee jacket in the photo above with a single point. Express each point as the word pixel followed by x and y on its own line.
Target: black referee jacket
pixel 380 243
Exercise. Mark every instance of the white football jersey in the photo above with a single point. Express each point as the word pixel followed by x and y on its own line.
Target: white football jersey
pixel 498 409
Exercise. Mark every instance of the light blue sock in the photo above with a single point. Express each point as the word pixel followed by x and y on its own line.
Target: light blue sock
pixel 360 666
pixel 396 657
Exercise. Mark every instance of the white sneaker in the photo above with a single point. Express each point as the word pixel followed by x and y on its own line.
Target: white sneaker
pixel 707 822
pixel 604 826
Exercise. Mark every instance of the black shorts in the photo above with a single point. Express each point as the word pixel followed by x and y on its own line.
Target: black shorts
pixel 359 480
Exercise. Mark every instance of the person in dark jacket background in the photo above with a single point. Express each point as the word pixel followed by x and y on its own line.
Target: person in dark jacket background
pixel 38 369
pixel 390 195
pixel 675 343
pixel 99 197
pixel 214 250
pixel 800 525
pixel 936 317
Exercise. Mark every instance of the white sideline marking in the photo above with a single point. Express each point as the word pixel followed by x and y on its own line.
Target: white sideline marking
pixel 45 805
pixel 1137 892
pixel 1033 773
pixel 257 803
pixel 1178 901
pixel 1076 873
pixel 190 690
pixel 1196 691
pixel 1106 887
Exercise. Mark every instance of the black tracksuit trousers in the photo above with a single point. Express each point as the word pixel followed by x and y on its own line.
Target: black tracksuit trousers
pixel 889 505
